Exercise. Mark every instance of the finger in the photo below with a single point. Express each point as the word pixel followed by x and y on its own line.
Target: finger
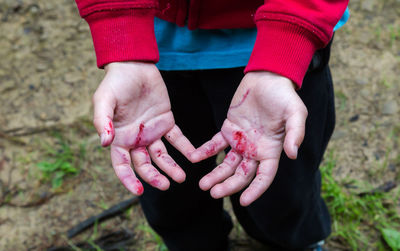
pixel 210 148
pixel 176 138
pixel 242 177
pixel 160 156
pixel 104 105
pixel 221 172
pixel 295 130
pixel 144 168
pixel 121 162
pixel 265 175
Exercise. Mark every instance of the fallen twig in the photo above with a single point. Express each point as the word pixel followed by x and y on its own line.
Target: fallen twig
pixel 12 139
pixel 384 188
pixel 43 198
pixel 111 212
pixel 118 240
pixel 25 131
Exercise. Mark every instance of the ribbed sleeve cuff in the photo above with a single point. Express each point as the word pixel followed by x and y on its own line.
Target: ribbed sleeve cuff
pixel 123 35
pixel 283 48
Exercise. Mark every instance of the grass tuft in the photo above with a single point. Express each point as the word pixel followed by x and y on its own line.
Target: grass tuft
pixel 61 162
pixel 154 237
pixel 359 222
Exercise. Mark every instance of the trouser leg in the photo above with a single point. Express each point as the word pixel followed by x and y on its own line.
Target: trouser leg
pixel 186 217
pixel 291 213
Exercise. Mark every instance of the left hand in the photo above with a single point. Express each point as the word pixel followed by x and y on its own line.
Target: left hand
pixel 266 115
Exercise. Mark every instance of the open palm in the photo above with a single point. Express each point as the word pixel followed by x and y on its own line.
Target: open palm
pixel 266 115
pixel 132 112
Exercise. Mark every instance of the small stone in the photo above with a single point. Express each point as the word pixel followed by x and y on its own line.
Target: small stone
pixel 361 81
pixel 337 134
pixel 365 93
pixel 365 37
pixel 368 5
pixel 7 85
pixel 27 30
pixel 390 107
pixel 354 118
pixel 34 9
pixel 72 77
pixel 379 154
pixel 41 67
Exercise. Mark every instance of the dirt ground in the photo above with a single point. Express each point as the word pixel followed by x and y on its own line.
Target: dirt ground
pixel 47 77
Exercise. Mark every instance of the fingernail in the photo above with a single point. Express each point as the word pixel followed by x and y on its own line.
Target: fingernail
pixel 139 188
pixel 103 139
pixel 295 149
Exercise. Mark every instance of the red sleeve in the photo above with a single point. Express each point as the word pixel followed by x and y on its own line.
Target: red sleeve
pixel 121 30
pixel 289 32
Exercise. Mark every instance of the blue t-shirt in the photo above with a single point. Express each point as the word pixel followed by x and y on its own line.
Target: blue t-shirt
pixel 184 49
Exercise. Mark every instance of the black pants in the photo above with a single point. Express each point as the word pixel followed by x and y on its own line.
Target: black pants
pixel 289 215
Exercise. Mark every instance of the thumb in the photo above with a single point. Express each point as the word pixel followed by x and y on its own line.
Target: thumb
pixel 104 106
pixel 295 130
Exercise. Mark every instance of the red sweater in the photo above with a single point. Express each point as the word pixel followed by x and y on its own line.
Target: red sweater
pixel 288 31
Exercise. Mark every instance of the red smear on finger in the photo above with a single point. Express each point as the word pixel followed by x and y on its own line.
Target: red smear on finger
pixel 244 167
pixel 125 159
pixel 169 160
pixel 211 148
pixel 108 128
pixel 155 183
pixel 139 188
pixel 146 154
pixel 230 156
pixel 158 152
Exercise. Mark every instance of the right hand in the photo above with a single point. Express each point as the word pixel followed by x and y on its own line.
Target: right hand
pixel 132 112
pixel 266 116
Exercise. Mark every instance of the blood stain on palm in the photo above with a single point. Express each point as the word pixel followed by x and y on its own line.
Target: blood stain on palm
pixel 144 90
pixel 242 145
pixel 241 101
pixel 139 135
pixel 241 142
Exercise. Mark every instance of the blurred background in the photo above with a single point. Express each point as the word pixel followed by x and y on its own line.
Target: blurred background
pixel 54 174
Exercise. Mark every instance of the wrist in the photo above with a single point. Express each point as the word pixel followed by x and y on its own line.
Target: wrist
pixel 271 79
pixel 126 65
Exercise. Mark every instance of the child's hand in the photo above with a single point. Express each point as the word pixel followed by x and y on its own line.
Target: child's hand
pixel 266 116
pixel 132 112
